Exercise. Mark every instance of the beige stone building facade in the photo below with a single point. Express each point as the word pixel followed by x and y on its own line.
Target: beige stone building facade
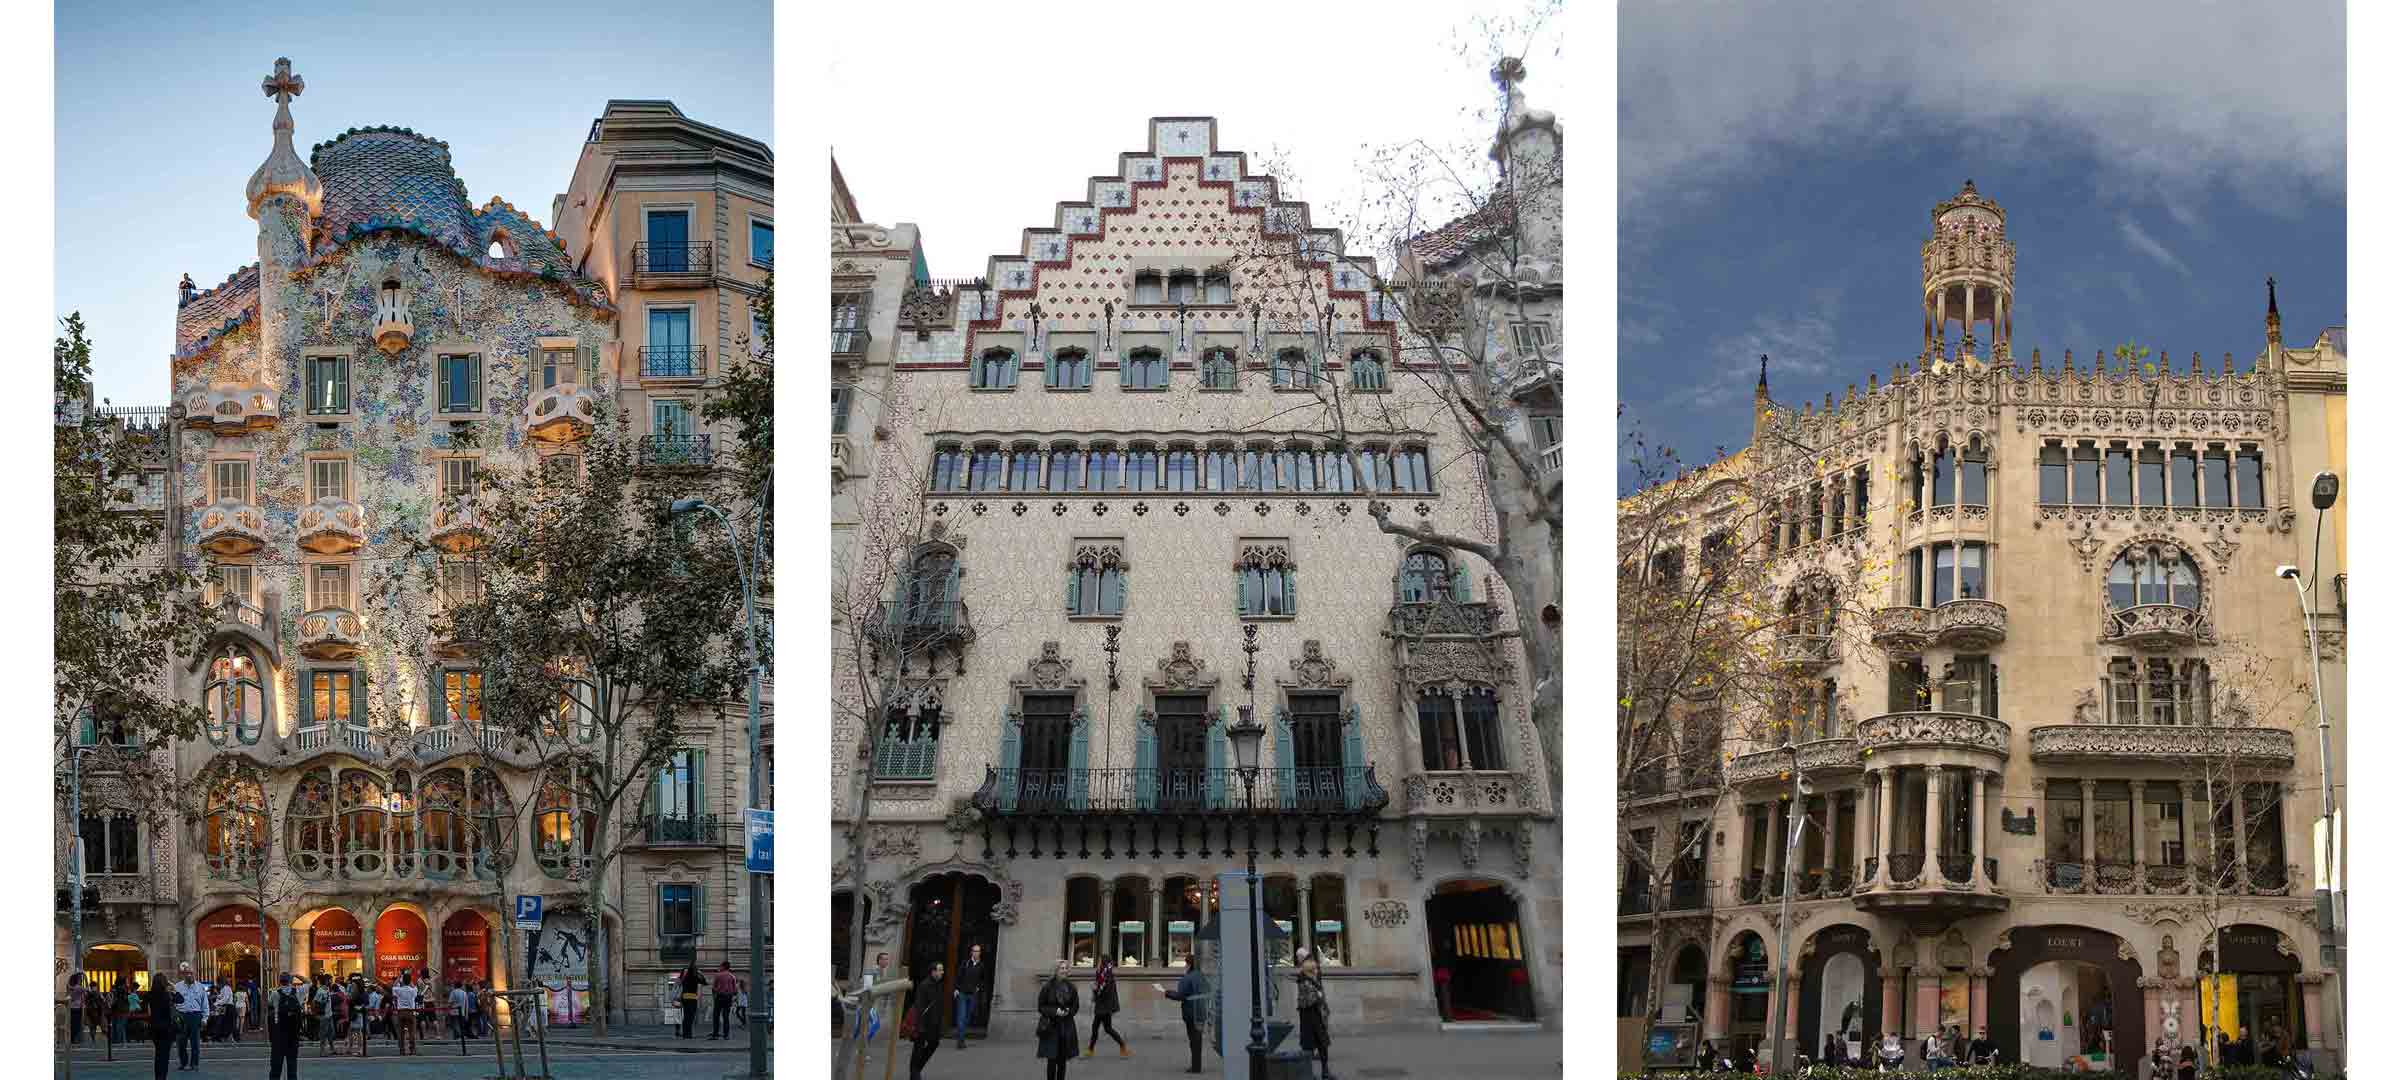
pixel 2035 708
pixel 1132 525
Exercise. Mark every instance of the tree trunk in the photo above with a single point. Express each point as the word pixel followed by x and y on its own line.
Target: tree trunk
pixel 858 910
pixel 594 972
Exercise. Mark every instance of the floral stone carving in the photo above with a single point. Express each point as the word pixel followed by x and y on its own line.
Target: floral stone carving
pixel 2157 742
pixel 1931 729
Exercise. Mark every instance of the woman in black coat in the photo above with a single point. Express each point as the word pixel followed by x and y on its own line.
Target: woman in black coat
pixel 926 1018
pixel 1055 1037
pixel 162 1022
pixel 1104 1007
pixel 1311 1001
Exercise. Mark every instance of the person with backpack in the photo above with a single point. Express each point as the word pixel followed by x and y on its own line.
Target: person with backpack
pixel 283 1009
pixel 924 1026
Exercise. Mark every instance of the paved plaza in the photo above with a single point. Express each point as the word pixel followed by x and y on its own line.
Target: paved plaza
pixel 1413 1055
pixel 643 1058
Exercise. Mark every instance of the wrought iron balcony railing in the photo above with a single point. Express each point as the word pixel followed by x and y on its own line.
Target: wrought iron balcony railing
pixel 687 258
pixel 684 829
pixel 1686 894
pixel 675 451
pixel 1339 790
pixel 1958 868
pixel 674 361
pixel 1634 902
pixel 923 618
pixel 851 344
pixel 1907 865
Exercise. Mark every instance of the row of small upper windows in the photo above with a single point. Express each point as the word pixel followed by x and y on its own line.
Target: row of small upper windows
pixel 458 383
pixel 329 477
pixel 1149 369
pixel 1179 466
pixel 1182 287
pixel 1266 583
pixel 2153 474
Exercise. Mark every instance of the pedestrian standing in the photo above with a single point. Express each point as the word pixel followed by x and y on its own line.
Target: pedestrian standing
pixel 191 1006
pixel 283 1009
pixel 120 1005
pixel 971 977
pixel 721 989
pixel 1311 1000
pixel 1192 991
pixel 927 1022
pixel 1104 1007
pixel 74 1008
pixel 1055 1037
pixel 462 1012
pixel 366 1005
pixel 165 1023
pixel 741 1003
pixel 687 988
pixel 404 1013
pixel 487 1012
pixel 236 1010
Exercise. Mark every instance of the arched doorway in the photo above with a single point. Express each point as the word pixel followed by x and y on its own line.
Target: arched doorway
pixel 332 940
pixel 466 947
pixel 400 944
pixel 1752 990
pixel 1685 996
pixel 1841 992
pixel 105 967
pixel 949 914
pixel 1479 952
pixel 2059 993
pixel 227 943
pixel 2266 992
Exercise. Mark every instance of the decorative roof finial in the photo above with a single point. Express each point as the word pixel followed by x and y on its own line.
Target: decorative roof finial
pixel 283 172
pixel 1762 371
pixel 1515 115
pixel 2271 312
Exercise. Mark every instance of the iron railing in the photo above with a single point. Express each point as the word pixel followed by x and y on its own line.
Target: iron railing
pixel 851 343
pixel 232 608
pixel 675 451
pixel 1752 888
pixel 1685 894
pixel 923 618
pixel 1866 874
pixel 1958 868
pixel 1634 902
pixel 1906 865
pixel 674 361
pixel 683 829
pixel 1345 789
pixel 696 257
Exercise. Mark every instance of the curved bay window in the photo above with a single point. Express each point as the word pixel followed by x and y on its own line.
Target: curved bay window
pixel 1459 729
pixel 1425 577
pixel 1069 369
pixel 1289 370
pixel 235 702
pixel 1217 370
pixel 236 826
pixel 362 820
pixel 562 828
pixel 2153 574
pixel 402 804
pixel 495 826
pixel 309 844
pixel 443 805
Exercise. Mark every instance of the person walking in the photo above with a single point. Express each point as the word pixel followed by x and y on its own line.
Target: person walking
pixel 120 1006
pixel 741 1003
pixel 687 988
pixel 75 997
pixel 404 1013
pixel 1104 1007
pixel 283 1029
pixel 971 977
pixel 927 1022
pixel 229 1013
pixel 721 991
pixel 191 1007
pixel 1055 1037
pixel 1310 997
pixel 165 1023
pixel 1192 991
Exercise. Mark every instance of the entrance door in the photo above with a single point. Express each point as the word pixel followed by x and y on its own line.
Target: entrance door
pixel 1477 940
pixel 949 915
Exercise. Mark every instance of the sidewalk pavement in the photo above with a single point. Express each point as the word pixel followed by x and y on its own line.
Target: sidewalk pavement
pixel 650 1038
pixel 1381 1055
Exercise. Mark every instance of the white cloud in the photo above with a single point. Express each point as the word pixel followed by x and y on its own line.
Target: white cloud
pixel 2141 240
pixel 1797 346
pixel 2175 96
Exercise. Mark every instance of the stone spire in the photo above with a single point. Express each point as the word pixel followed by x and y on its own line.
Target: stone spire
pixel 283 173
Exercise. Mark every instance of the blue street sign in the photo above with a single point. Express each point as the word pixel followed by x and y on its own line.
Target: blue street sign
pixel 762 840
pixel 529 912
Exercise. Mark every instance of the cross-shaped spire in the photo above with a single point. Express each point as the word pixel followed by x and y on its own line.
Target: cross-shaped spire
pixel 281 84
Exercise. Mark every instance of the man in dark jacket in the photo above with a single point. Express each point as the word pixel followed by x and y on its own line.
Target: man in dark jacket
pixel 928 1033
pixel 283 1030
pixel 1192 991
pixel 971 976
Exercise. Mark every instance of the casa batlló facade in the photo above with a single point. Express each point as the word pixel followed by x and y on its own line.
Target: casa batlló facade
pixel 1132 526
pixel 2052 558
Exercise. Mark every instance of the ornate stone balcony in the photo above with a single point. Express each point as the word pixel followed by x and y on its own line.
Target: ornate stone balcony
pixel 562 414
pixel 1464 792
pixel 2105 877
pixel 1928 730
pixel 1805 652
pixel 2156 626
pixel 232 527
pixel 1820 758
pixel 231 408
pixel 1902 629
pixel 329 634
pixel 1932 893
pixel 458 529
pixel 2250 746
pixel 333 526
pixel 393 328
pixel 1973 625
pixel 842 464
pixel 1441 618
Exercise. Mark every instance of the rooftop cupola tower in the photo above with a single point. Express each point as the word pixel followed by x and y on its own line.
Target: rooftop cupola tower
pixel 284 197
pixel 1970 278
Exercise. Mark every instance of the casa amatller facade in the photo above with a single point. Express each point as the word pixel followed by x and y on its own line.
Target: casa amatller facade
pixel 2010 825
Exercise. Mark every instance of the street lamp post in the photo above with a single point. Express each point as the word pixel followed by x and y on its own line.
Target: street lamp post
pixel 1245 737
pixel 2321 494
pixel 74 872
pixel 1783 944
pixel 758 881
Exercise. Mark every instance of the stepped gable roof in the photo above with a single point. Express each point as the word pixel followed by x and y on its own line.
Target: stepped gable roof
pixel 207 316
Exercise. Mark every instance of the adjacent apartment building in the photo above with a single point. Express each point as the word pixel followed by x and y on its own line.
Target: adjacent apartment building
pixel 2052 763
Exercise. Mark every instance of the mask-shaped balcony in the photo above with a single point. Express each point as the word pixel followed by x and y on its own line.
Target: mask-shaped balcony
pixel 393 327
pixel 1820 760
pixel 232 527
pixel 333 526
pixel 2156 627
pixel 329 634
pixel 1970 625
pixel 458 529
pixel 562 414
pixel 1902 630
pixel 231 409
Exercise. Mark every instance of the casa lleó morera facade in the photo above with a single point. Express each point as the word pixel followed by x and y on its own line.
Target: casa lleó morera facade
pixel 2016 763
pixel 319 398
pixel 1129 524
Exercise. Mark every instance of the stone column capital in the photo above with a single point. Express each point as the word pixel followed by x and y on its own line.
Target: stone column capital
pixel 2089 784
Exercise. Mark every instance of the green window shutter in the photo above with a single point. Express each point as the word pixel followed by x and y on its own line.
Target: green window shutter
pixel 1079 755
pixel 87 729
pixel 1074 578
pixel 591 365
pixel 700 804
pixel 1354 762
pixel 950 586
pixel 308 698
pixel 1216 758
pixel 1291 591
pixel 700 908
pixel 1145 759
pixel 1113 598
pixel 1050 373
pixel 1012 750
pixel 1462 588
pixel 1286 757
pixel 358 697
pixel 1241 592
pixel 475 381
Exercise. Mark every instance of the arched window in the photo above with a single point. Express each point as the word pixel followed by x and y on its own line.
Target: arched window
pixel 1290 369
pixel 236 704
pixel 1424 578
pixel 1069 369
pixel 236 825
pixel 1217 370
pixel 1303 467
pixel 444 808
pixel 402 804
pixel 1096 581
pixel 1411 471
pixel 309 845
pixel 1183 468
pixel 1145 370
pixel 1024 467
pixel 1267 581
pixel 1945 472
pixel 986 473
pixel 2153 574
pixel 1366 371
pixel 1066 468
pixel 931 588
pixel 1107 464
pixel 562 830
pixel 1219 471
pixel 362 821
pixel 1141 468
pixel 495 827
pixel 949 468
pixel 996 369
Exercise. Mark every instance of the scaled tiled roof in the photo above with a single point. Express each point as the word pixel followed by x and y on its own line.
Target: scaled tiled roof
pixel 1457 238
pixel 391 178
pixel 207 316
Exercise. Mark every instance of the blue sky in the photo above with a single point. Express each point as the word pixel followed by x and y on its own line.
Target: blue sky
pixel 1779 165
pixel 161 121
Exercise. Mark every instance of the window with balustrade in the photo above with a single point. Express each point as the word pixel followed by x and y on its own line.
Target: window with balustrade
pixel 310 846
pixel 462 699
pixel 910 747
pixel 331 696
pixel 235 700
pixel 401 804
pixel 495 819
pixel 442 808
pixel 234 828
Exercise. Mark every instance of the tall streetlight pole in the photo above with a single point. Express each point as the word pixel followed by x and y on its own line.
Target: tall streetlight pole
pixel 1245 737
pixel 2330 923
pixel 1783 932
pixel 758 881
pixel 74 872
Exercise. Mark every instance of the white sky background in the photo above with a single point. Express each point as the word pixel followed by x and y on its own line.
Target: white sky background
pixel 975 129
